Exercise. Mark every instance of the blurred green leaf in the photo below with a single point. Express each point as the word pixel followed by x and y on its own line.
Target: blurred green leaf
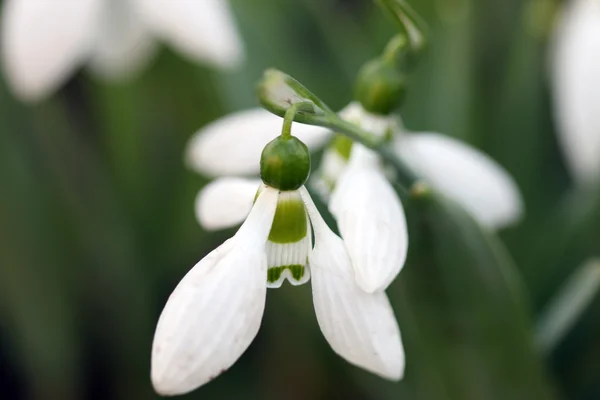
pixel 463 313
pixel 568 305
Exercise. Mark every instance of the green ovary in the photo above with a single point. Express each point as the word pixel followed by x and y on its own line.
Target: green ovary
pixel 297 271
pixel 289 224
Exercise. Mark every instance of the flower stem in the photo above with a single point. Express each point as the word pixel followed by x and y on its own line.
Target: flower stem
pixel 396 46
pixel 408 21
pixel 290 113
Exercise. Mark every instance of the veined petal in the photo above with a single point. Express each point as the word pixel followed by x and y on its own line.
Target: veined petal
pixel 288 261
pixel 123 44
pixel 43 42
pixel 575 65
pixel 233 144
pixel 464 174
pixel 289 242
pixel 203 30
pixel 225 202
pixel 215 312
pixel 359 326
pixel 371 220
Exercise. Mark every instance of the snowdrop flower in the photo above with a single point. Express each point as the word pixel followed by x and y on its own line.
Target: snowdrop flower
pixel 43 42
pixel 369 214
pixel 576 83
pixel 215 312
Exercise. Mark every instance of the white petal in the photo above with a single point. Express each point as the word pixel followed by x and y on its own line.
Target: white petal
pixel 359 326
pixel 371 221
pixel 233 144
pixel 464 174
pixel 294 256
pixel 215 312
pixel 225 202
pixel 123 44
pixel 43 42
pixel 576 81
pixel 255 230
pixel 203 30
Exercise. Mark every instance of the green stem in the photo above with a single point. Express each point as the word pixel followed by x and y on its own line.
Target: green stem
pixel 396 47
pixel 290 113
pixel 408 21
pixel 314 111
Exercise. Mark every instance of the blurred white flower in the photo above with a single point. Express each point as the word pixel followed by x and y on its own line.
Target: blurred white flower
pixel 215 312
pixel 455 169
pixel 44 42
pixel 576 83
pixel 232 144
pixel 464 174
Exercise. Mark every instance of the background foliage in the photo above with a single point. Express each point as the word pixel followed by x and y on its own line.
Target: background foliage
pixel 97 225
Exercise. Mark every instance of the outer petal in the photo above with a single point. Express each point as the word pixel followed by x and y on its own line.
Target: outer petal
pixel 225 202
pixel 215 312
pixel 359 326
pixel 44 41
pixel 465 175
pixel 123 44
pixel 203 30
pixel 575 66
pixel 371 221
pixel 233 144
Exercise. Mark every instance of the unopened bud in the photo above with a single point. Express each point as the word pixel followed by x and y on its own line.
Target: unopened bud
pixel 380 87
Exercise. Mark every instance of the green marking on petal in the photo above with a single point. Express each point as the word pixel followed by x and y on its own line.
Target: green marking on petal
pixel 389 135
pixel 297 271
pixel 329 183
pixel 273 274
pixel 289 224
pixel 342 145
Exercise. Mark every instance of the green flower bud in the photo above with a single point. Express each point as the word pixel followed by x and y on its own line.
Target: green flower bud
pixel 285 163
pixel 380 86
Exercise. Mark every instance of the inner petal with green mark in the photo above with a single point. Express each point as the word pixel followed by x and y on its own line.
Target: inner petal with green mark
pixel 337 154
pixel 289 242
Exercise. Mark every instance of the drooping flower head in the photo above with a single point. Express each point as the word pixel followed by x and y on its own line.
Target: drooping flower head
pixel 215 312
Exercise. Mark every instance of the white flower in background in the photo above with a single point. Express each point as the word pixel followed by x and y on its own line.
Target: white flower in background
pixel 369 214
pixel 230 146
pixel 371 221
pixel 215 312
pixel 457 170
pixel 576 83
pixel 44 42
